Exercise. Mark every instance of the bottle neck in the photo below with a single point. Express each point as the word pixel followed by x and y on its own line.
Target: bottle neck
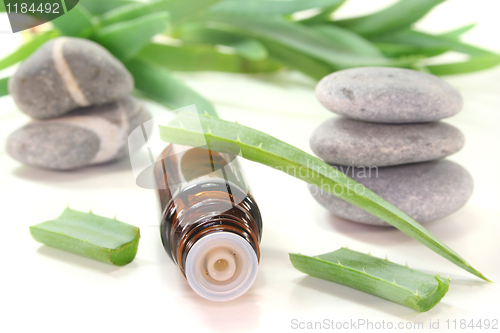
pixel 198 221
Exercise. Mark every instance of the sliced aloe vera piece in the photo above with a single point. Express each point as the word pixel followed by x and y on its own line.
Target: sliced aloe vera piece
pixel 89 235
pixel 190 129
pixel 376 276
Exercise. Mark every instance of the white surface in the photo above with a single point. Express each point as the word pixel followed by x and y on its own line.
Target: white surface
pixel 47 290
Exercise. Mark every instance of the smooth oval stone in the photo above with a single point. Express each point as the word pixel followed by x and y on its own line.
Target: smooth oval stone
pixel 82 137
pixel 352 142
pixel 425 191
pixel 68 73
pixel 388 95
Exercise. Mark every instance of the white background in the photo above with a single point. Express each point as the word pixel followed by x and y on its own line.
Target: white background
pixel 44 289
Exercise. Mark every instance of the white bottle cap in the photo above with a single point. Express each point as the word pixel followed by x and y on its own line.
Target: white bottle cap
pixel 221 266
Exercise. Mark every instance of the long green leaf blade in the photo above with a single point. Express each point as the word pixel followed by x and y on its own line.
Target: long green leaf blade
pixel 271 7
pixel 301 39
pixel 133 11
pixel 400 50
pixel 125 39
pixel 293 59
pixel 398 16
pixel 78 22
pixel 348 40
pixel 247 47
pixel 422 39
pixel 263 148
pixel 27 49
pixel 185 10
pixel 323 16
pixel 474 64
pixel 89 235
pixel 160 85
pixel 99 7
pixel 457 33
pixel 4 86
pixel 376 276
pixel 201 58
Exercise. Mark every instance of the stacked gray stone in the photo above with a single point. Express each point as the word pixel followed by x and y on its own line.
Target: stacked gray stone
pixel 77 95
pixel 391 141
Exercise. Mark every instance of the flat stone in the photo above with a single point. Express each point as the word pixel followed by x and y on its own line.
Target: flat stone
pixel 346 141
pixel 388 95
pixel 68 73
pixel 425 191
pixel 85 136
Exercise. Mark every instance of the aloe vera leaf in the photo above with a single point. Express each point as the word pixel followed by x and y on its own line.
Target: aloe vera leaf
pixel 474 64
pixel 246 47
pixel 376 276
pixel 125 39
pixel 201 58
pixel 133 11
pixel 348 40
pixel 4 88
pixel 160 85
pixel 302 39
pixel 293 59
pixel 271 7
pixel 411 37
pixel 398 16
pixel 455 34
pixel 78 22
pixel 323 16
pixel 99 7
pixel 184 10
pixel 27 49
pixel 400 50
pixel 265 149
pixel 89 235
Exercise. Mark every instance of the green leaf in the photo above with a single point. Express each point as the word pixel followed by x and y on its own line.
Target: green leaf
pixel 262 148
pixel 376 276
pixel 4 87
pixel 133 11
pixel 160 85
pixel 246 47
pixel 301 39
pixel 348 40
pixel 474 64
pixel 398 16
pixel 293 59
pixel 424 40
pixel 201 58
pixel 457 33
pixel 323 16
pixel 89 235
pixel 271 7
pixel 27 49
pixel 125 39
pixel 400 50
pixel 184 10
pixel 78 22
pixel 99 7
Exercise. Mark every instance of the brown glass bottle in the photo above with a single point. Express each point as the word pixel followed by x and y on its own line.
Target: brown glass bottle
pixel 211 226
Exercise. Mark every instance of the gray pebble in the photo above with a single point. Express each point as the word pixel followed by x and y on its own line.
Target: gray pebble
pixel 425 191
pixel 68 73
pixel 388 95
pixel 82 137
pixel 352 142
